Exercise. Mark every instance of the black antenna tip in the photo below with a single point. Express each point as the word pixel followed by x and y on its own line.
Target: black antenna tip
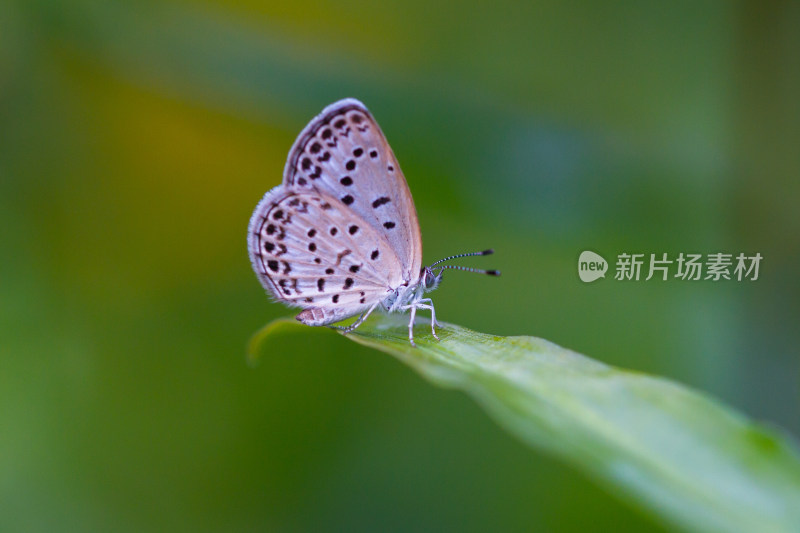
pixel 493 272
pixel 487 252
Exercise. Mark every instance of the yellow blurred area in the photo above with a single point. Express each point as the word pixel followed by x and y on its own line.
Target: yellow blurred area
pixel 167 178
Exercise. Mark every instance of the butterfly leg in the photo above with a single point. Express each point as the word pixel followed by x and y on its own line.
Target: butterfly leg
pixel 413 313
pixel 433 319
pixel 360 320
pixel 434 323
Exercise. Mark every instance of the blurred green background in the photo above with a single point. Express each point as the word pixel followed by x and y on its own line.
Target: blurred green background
pixel 137 137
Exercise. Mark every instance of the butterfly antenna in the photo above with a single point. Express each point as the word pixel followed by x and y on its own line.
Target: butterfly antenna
pixel 485 252
pixel 468 269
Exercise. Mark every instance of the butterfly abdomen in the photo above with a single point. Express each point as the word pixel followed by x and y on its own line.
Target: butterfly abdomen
pixel 316 316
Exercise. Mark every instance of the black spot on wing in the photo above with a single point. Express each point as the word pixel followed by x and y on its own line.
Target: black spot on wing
pixel 380 201
pixel 282 284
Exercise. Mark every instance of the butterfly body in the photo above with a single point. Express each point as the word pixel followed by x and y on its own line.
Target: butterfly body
pixel 339 237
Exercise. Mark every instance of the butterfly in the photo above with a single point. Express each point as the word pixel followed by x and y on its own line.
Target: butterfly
pixel 339 237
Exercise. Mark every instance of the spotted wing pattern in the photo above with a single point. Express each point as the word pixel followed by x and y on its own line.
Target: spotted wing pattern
pixel 344 154
pixel 310 251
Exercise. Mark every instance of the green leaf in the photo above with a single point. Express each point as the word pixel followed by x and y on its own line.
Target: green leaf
pixel 683 457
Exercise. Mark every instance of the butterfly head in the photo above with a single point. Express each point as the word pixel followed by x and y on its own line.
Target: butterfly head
pixel 430 279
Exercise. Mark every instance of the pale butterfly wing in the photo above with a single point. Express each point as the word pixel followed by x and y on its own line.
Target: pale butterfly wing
pixel 344 154
pixel 309 250
pixel 340 235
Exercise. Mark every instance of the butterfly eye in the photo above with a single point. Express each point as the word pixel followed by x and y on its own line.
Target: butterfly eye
pixel 429 279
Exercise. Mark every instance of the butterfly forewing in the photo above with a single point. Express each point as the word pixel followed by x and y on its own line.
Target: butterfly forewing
pixel 309 250
pixel 343 153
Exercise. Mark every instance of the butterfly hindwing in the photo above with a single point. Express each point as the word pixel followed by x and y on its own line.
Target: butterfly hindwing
pixel 309 250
